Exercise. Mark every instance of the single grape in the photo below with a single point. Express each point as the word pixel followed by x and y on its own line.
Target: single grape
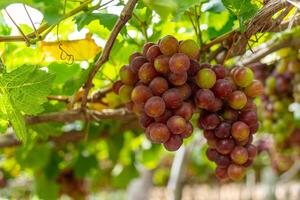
pixel 147 73
pixel 159 133
pixel 255 89
pixel 179 63
pixel 240 131
pixel 189 130
pixel 177 79
pixel 140 94
pixel 253 128
pixel 194 68
pixel 147 132
pixel 164 117
pixel 215 105
pixel 243 76
pixel 225 146
pixel 161 64
pixel 249 117
pixel 172 98
pixel 177 124
pixel 237 100
pixel 209 121
pixel 133 56
pixel 174 143
pixel 185 111
pixel 220 71
pixel 252 151
pixel 145 120
pixel 223 130
pixel 190 48
pixel 236 172
pixel 127 76
pixel 230 115
pixel 250 106
pixel 146 47
pixel 185 91
pixel 137 63
pixel 158 85
pixel 239 155
pixel 125 93
pixel 208 134
pixel 206 78
pixel 153 52
pixel 155 106
pixel 222 161
pixel 221 173
pixel 204 98
pixel 116 86
pixel 211 154
pixel 168 45
pixel 138 109
pixel 222 88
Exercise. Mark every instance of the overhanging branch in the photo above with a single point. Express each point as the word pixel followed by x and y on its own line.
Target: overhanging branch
pixel 125 16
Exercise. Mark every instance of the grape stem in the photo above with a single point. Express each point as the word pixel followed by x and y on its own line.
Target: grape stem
pixel 270 47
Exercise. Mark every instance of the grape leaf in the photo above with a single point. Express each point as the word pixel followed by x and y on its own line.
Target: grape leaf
pixel 23 91
pixel 106 19
pixel 243 9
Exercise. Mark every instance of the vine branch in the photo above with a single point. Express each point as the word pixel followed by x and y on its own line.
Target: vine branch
pixel 270 47
pixel 124 17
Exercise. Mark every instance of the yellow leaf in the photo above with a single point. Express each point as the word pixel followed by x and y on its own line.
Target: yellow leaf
pixel 70 50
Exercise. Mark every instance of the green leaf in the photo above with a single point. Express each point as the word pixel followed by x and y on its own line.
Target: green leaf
pixel 106 19
pixel 243 9
pixel 163 8
pixel 46 189
pixel 36 158
pixel 90 162
pixel 23 90
pixel 28 87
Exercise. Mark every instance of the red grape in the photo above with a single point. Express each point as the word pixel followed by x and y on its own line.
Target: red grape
pixel 172 98
pixel 225 146
pixel 147 73
pixel 159 133
pixel 177 124
pixel 177 79
pixel 155 106
pixel 168 45
pixel 140 94
pixel 161 64
pixel 236 172
pixel 158 85
pixel 239 155
pixel 174 143
pixel 237 100
pixel 179 63
pixel 153 52
pixel 223 130
pixel 127 76
pixel 240 131
pixel 209 121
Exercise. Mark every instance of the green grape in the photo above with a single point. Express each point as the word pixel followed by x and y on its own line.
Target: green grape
pixel 206 78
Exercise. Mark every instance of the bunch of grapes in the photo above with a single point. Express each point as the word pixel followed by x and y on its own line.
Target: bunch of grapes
pixel 165 84
pixel 277 98
pixel 157 86
pixel 228 117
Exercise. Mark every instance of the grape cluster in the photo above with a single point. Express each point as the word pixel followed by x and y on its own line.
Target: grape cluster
pixel 228 117
pixel 165 84
pixel 156 85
